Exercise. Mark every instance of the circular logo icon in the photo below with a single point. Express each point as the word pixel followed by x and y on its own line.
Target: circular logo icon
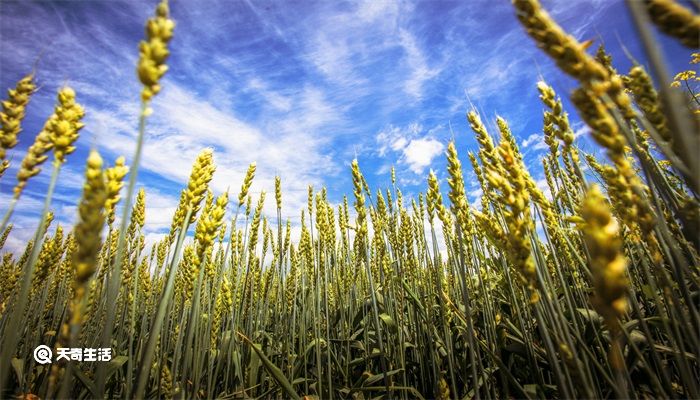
pixel 42 354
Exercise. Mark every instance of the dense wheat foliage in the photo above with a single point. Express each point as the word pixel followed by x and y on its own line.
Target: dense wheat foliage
pixel 589 288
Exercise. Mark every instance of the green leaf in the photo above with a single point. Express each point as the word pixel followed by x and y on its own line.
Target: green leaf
pixel 236 357
pixel 254 365
pixel 531 390
pixel 376 378
pixel 89 384
pixel 356 362
pixel 314 343
pixel 590 315
pixel 649 292
pixel 115 364
pixel 18 366
pixel 665 349
pixel 389 322
pixel 299 381
pixel 273 369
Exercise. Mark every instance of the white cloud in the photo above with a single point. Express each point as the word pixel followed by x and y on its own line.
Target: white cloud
pixel 345 46
pixel 399 143
pixel 544 187
pixel 272 98
pixel 294 146
pixel 420 153
pixel 476 193
pixel 369 10
pixel 395 138
pixel 531 139
pixel 540 145
pixel 417 64
pixel 580 129
pixel 414 149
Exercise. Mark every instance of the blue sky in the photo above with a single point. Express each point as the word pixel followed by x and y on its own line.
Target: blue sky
pixel 299 87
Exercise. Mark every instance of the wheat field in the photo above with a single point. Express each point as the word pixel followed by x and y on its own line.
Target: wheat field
pixel 587 289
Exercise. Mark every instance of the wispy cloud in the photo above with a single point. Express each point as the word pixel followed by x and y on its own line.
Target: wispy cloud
pixel 417 64
pixel 532 139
